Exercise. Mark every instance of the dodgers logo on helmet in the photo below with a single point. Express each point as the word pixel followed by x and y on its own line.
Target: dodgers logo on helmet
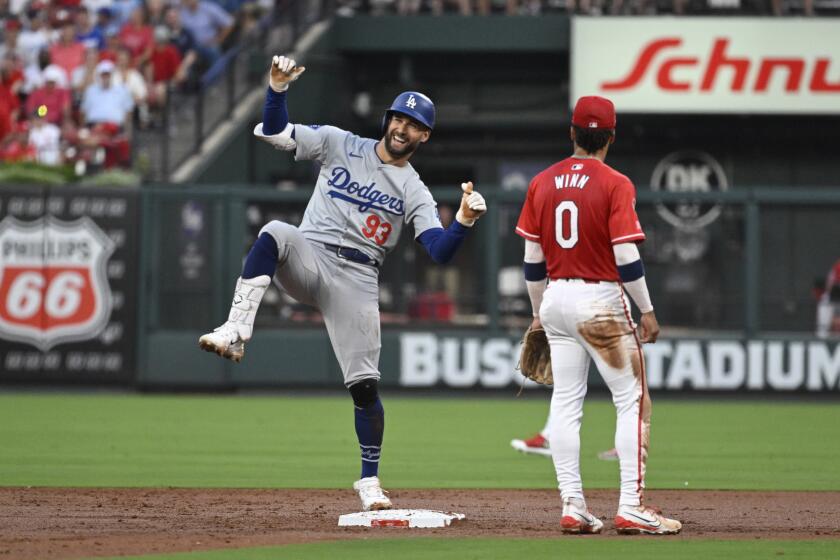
pixel 413 104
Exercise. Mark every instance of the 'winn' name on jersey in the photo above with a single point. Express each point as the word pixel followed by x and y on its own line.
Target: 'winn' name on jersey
pixel 570 180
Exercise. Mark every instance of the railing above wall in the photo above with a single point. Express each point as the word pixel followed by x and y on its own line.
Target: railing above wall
pixel 741 259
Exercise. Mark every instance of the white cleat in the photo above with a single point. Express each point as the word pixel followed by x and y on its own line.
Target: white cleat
pixel 372 496
pixel 633 520
pixel 577 520
pixel 228 341
pixel 224 341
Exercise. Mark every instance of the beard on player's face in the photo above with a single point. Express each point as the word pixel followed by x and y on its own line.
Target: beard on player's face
pixel 403 136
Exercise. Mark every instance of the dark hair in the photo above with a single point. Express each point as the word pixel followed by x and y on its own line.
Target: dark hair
pixel 593 139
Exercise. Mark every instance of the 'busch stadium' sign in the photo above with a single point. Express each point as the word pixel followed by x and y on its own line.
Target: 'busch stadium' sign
pixel 672 364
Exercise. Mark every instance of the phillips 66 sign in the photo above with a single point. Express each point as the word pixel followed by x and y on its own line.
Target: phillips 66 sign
pixel 68 283
pixel 708 65
pixel 53 287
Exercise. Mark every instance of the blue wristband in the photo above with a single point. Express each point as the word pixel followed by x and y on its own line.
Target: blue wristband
pixel 631 271
pixel 534 272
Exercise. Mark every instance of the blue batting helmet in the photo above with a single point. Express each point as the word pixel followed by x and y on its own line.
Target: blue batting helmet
pixel 413 104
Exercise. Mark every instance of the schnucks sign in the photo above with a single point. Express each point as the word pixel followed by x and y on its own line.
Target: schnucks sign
pixel 708 65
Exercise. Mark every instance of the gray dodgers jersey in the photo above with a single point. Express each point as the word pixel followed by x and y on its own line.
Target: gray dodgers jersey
pixel 359 201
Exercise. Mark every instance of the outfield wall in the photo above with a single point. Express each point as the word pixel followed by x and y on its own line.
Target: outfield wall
pixel 114 286
pixel 480 360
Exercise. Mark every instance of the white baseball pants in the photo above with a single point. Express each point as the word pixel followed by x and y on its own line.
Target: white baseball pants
pixel 591 321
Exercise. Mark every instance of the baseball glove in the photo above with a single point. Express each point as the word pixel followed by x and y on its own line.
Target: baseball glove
pixel 535 359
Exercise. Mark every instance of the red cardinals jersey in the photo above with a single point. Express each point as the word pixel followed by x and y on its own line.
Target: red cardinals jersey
pixel 577 210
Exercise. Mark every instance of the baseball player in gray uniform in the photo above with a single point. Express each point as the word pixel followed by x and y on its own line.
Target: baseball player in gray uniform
pixel 365 195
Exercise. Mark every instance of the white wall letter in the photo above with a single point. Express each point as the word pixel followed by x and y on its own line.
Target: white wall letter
pixel 727 366
pixel 418 360
pixel 687 365
pixel 655 355
pixel 822 366
pixel 495 361
pixel 452 374
pixel 777 377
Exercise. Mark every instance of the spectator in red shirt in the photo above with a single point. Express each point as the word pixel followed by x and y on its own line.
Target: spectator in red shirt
pixel 138 36
pixel 67 53
pixel 11 73
pixel 10 45
pixel 9 108
pixel 112 46
pixel 166 65
pixel 56 99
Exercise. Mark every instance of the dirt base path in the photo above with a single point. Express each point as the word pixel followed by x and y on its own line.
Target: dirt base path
pixel 62 523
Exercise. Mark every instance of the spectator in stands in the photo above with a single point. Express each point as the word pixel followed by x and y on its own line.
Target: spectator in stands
pixel 68 53
pixel 183 40
pixel 53 95
pixel 11 73
pixel 234 6
pixel 112 46
pixel 166 66
pixel 105 22
pixel 11 30
pixel 247 22
pixel 121 10
pixel 408 7
pixel 9 107
pixel 94 6
pixel 44 138
pixel 87 32
pixel 464 7
pixel 156 10
pixel 33 74
pixel 179 36
pixel 34 38
pixel 376 7
pixel 779 7
pixel 129 77
pixel 828 305
pixel 14 145
pixel 105 102
pixel 85 74
pixel 106 110
pixel 137 35
pixel 209 24
pixel 585 7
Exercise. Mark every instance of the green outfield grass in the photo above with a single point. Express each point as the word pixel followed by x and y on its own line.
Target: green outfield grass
pixel 309 442
pixel 516 549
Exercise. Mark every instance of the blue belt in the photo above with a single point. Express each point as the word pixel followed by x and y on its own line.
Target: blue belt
pixel 352 254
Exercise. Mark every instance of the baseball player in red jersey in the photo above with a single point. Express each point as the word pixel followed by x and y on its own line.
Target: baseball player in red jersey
pixel 580 228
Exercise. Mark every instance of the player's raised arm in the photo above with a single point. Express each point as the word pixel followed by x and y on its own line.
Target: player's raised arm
pixel 442 244
pixel 275 127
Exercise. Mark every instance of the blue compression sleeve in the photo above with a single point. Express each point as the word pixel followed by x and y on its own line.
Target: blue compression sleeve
pixel 441 244
pixel 275 114
pixel 631 271
pixel 370 427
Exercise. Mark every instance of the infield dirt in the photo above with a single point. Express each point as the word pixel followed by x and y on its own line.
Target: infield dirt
pixel 66 523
